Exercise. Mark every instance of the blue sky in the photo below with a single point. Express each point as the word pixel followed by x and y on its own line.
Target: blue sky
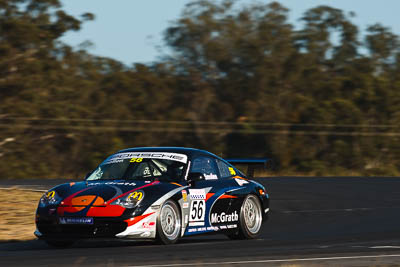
pixel 131 30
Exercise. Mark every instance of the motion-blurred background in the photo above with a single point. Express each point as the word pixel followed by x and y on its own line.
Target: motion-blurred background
pixel 237 78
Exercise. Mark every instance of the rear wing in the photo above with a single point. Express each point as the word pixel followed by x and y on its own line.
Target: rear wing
pixel 252 163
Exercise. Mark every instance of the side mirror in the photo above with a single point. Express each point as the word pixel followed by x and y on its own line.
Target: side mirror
pixel 194 177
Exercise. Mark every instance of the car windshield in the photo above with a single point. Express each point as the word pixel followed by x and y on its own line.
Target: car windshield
pixel 167 167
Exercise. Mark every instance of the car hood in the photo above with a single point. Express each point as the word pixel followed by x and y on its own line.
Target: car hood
pixel 96 198
pixel 107 189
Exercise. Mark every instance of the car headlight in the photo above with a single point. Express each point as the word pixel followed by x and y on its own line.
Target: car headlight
pixel 49 198
pixel 131 200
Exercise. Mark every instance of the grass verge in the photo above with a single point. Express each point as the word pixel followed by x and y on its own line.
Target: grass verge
pixel 17 214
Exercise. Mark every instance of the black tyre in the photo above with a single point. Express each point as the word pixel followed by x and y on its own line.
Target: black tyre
pixel 169 223
pixel 60 243
pixel 250 219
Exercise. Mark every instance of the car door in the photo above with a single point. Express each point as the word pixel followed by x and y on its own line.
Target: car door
pixel 209 201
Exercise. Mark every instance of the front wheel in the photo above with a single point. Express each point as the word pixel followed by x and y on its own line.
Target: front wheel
pixel 168 223
pixel 250 219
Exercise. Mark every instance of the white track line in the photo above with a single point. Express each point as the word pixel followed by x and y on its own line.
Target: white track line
pixel 384 247
pixel 333 210
pixel 269 261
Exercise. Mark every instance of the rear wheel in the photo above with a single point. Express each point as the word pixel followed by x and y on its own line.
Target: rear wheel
pixel 169 223
pixel 250 219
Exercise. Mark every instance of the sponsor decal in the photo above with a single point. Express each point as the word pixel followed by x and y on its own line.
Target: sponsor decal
pixel 210 176
pixel 241 181
pixel 197 194
pixel 212 228
pixel 116 158
pixel 223 217
pixel 50 194
pixel 136 195
pixel 196 223
pixel 114 161
pixel 232 171
pixel 184 195
pixel 199 229
pixel 121 183
pixel 112 183
pixel 148 225
pixel 185 205
pixel 75 220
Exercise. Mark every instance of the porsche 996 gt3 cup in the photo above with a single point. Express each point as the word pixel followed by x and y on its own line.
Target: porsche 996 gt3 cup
pixel 157 193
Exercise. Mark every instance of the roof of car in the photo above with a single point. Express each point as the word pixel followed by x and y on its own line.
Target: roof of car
pixel 183 150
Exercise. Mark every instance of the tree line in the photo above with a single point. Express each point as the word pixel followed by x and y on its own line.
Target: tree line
pixel 238 80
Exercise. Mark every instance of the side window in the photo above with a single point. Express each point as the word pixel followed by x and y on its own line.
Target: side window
pixel 206 166
pixel 225 170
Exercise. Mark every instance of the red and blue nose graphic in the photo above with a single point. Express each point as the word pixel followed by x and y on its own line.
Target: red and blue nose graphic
pixel 80 203
pixel 88 205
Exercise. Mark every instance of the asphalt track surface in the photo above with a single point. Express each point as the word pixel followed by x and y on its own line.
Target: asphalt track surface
pixel 313 222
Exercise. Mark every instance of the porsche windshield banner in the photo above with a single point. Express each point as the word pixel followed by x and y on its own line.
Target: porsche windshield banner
pixel 119 157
